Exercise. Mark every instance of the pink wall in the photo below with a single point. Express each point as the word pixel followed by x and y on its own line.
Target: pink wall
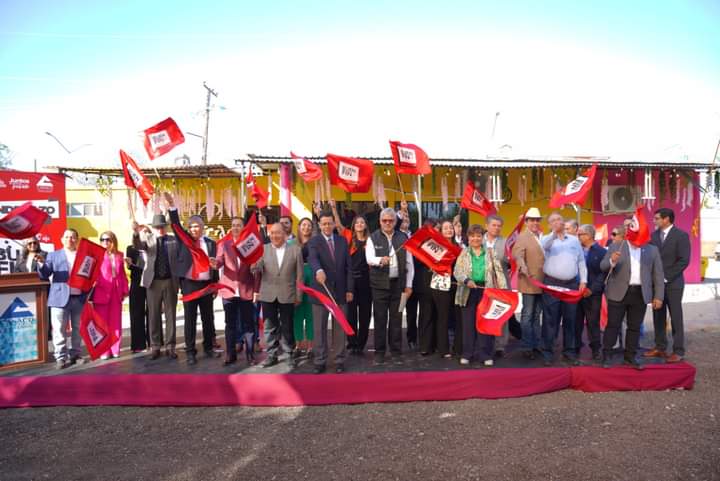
pixel 683 219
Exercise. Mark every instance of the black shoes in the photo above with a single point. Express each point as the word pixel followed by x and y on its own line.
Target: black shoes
pixel 529 355
pixel 379 359
pixel 633 364
pixel 269 362
pixel 155 354
pixel 318 369
pixel 596 356
pixel 229 361
pixel 212 354
pixel 412 345
pixel 191 359
pixel 571 361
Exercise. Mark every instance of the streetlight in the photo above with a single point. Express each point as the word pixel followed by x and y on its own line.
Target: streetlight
pixel 63 146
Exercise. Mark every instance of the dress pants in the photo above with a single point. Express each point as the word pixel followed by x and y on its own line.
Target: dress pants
pixel 588 313
pixel 411 317
pixel 673 303
pixel 67 346
pixel 475 345
pixel 359 311
pixel 321 347
pixel 556 312
pixel 238 321
pixel 427 323
pixel 388 321
pixel 278 328
pixel 207 316
pixel 633 306
pixel 444 302
pixel 162 297
pixel 139 334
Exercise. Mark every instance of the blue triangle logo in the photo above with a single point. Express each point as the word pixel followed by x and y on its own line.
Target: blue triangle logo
pixel 17 309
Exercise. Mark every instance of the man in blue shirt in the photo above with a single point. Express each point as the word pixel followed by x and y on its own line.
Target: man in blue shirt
pixel 564 267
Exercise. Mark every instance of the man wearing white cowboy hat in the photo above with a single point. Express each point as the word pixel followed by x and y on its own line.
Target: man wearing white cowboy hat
pixel 530 258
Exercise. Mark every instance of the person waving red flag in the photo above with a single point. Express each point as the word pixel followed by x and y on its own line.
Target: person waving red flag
pixel 135 178
pixel 409 159
pixel 350 174
pixel 638 232
pixel 576 191
pixel 306 169
pixel 161 138
pixel 249 245
pixel 473 199
pixel 86 267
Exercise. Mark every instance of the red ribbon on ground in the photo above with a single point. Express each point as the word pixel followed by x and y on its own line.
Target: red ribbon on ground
pixel 209 289
pixel 562 293
pixel 331 306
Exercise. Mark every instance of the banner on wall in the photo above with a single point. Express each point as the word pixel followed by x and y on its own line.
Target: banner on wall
pixel 18 328
pixel 46 192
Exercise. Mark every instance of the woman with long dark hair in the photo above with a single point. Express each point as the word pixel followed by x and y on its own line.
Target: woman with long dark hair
pixel 27 262
pixel 360 308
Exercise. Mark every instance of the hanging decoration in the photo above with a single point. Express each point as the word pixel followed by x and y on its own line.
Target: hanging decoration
pixel 677 188
pixel 648 187
pixel 493 188
pixel 690 194
pixel 458 187
pixel 209 204
pixel 604 190
pixel 444 193
pixel 381 192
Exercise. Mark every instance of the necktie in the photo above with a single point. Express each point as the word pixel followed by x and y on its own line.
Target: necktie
pixel 662 237
pixel 331 245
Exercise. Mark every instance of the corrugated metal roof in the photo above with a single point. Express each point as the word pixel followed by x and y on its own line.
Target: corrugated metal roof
pixel 510 163
pixel 187 171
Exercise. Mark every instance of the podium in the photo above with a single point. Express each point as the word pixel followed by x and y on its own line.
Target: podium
pixel 23 320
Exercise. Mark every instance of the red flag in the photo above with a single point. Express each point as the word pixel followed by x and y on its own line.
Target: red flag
pixel 95 332
pixel 601 234
pixel 409 159
pixel 603 313
pixel 494 309
pixel 200 260
pixel 258 194
pixel 429 247
pixel 475 200
pixel 306 169
pixel 23 222
pixel 135 178
pixel 351 175
pixel 576 191
pixel 334 309
pixel 250 246
pixel 162 138
pixel 638 232
pixel 510 242
pixel 563 293
pixel 209 289
pixel 85 270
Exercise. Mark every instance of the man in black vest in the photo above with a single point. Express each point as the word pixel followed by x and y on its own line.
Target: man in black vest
pixel 674 247
pixel 391 277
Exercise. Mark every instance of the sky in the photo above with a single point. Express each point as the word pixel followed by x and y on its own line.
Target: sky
pixel 636 80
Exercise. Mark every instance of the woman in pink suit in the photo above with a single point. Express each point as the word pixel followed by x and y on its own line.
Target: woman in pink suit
pixel 110 290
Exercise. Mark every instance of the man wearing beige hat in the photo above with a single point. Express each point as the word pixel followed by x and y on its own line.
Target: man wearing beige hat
pixel 530 258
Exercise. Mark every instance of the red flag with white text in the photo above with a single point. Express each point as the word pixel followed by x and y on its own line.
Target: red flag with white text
pixel 23 222
pixel 576 191
pixel 86 268
pixel 409 159
pixel 94 330
pixel 333 308
pixel 250 247
pixel 161 138
pixel 429 247
pixel 638 232
pixel 350 174
pixel 494 309
pixel 474 200
pixel 564 294
pixel 259 195
pixel 306 169
pixel 135 178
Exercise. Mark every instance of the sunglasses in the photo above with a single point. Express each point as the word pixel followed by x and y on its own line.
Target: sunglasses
pixel 613 234
pixel 387 221
pixel 105 239
pixel 33 242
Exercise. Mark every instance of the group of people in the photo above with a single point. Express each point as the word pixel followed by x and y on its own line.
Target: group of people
pixel 371 274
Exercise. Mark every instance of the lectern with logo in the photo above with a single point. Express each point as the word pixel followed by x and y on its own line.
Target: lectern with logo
pixel 23 320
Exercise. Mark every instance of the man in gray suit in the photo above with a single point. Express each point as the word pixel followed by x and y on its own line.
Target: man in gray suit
pixel 495 243
pixel 635 280
pixel 160 278
pixel 279 271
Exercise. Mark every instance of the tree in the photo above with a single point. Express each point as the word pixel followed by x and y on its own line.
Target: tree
pixel 6 156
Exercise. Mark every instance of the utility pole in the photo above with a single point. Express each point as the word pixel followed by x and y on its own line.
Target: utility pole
pixel 210 94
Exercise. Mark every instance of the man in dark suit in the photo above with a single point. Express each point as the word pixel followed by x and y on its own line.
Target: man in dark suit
pixel 192 281
pixel 635 280
pixel 674 247
pixel 329 259
pixel 588 310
